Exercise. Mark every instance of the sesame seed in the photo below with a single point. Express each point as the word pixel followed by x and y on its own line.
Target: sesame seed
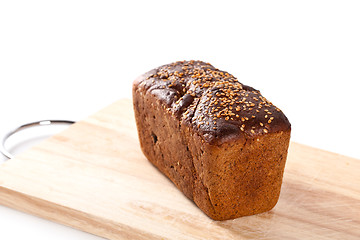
pixel 226 102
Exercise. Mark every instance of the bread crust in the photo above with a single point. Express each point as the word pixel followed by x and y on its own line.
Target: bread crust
pixel 220 142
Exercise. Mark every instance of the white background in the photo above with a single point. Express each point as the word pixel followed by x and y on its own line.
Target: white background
pixel 68 59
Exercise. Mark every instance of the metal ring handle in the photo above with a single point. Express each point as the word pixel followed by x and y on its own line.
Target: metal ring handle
pixel 6 153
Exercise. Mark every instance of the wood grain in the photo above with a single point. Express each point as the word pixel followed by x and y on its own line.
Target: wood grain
pixel 93 177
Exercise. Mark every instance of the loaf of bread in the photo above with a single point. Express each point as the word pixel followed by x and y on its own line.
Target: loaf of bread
pixel 219 141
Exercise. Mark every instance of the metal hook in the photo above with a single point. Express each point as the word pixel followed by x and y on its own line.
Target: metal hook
pixel 6 153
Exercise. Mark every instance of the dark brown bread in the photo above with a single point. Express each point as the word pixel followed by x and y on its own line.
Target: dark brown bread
pixel 221 142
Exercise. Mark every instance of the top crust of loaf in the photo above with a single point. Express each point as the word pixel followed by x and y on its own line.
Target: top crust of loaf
pixel 212 102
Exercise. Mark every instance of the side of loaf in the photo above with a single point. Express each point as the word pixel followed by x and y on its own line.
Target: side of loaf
pixel 220 142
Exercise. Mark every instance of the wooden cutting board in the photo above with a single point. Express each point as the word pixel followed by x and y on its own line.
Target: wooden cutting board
pixel 94 177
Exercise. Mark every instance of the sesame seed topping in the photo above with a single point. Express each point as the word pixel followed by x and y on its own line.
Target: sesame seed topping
pixel 203 95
